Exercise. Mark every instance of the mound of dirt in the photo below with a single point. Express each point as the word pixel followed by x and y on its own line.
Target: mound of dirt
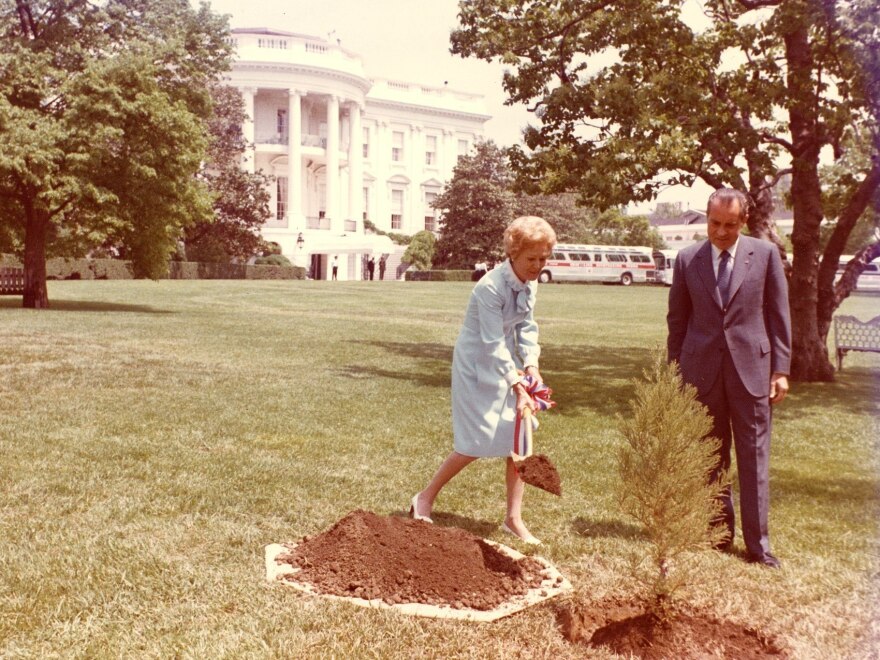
pixel 624 627
pixel 398 560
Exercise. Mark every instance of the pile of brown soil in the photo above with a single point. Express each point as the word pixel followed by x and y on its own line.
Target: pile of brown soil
pixel 625 628
pixel 398 560
pixel 537 470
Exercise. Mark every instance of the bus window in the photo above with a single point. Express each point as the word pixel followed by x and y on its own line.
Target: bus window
pixel 597 257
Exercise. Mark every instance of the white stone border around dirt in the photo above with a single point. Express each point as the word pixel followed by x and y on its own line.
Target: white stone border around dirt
pixel 553 584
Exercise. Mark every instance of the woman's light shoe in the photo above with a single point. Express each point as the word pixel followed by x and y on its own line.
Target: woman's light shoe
pixel 414 511
pixel 531 540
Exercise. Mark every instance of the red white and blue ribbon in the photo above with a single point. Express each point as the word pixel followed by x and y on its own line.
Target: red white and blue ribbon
pixel 540 394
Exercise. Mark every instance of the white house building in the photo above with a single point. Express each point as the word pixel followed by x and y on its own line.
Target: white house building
pixel 345 147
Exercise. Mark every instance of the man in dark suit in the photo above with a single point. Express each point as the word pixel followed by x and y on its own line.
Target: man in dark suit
pixel 729 330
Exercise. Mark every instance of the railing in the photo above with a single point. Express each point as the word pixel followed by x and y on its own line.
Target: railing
pixel 276 223
pixel 305 140
pixel 318 223
pixel 314 141
pixel 272 138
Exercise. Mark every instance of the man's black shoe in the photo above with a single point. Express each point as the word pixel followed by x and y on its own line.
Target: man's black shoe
pixel 766 559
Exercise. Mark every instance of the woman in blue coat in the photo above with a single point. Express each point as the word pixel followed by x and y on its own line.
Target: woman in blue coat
pixel 497 343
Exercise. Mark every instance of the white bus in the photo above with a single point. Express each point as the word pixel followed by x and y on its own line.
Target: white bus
pixel 664 260
pixel 599 263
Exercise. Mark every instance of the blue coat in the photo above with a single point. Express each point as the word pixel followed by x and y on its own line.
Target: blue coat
pixel 499 336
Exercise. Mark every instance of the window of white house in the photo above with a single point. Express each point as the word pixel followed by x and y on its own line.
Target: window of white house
pixel 430 150
pixel 463 147
pixel 396 209
pixel 366 203
pixel 281 122
pixel 281 197
pixel 397 146
pixel 366 143
pixel 430 212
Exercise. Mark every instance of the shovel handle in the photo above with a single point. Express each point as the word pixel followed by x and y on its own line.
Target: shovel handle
pixel 527 422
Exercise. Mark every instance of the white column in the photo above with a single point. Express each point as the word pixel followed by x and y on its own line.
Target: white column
pixel 296 219
pixel 248 158
pixel 444 163
pixel 355 167
pixel 416 160
pixel 382 169
pixel 333 210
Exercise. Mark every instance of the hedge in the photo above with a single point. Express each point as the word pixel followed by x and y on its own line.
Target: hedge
pixel 438 275
pixel 60 268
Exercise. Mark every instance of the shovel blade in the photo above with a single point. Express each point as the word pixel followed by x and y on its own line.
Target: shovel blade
pixel 537 470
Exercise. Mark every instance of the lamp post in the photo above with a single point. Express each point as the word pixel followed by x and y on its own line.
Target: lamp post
pixel 300 241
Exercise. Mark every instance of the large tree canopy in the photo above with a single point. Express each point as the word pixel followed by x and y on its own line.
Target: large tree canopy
pixel 476 205
pixel 102 121
pixel 631 97
pixel 241 198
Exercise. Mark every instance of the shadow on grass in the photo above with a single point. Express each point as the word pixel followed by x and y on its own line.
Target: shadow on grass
pixel 435 362
pixel 606 528
pixel 86 306
pixel 837 491
pixel 854 390
pixel 593 377
pixel 582 377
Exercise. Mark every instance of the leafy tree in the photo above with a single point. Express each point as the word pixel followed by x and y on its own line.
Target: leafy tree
pixel 241 198
pixel 477 205
pixel 631 98
pixel 664 466
pixel 615 228
pixel 420 252
pixel 573 223
pixel 102 109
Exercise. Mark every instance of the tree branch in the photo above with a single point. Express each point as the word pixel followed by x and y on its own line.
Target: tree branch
pixel 772 139
pixel 758 4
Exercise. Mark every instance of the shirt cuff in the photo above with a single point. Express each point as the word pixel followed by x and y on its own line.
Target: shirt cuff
pixel 512 377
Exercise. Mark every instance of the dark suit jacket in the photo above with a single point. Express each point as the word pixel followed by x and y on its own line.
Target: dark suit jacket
pixel 755 327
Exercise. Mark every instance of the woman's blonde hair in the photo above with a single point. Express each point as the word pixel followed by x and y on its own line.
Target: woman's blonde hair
pixel 525 232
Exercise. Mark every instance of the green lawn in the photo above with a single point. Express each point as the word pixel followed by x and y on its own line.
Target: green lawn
pixel 154 436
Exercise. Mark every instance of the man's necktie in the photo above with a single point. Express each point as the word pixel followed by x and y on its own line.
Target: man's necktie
pixel 724 277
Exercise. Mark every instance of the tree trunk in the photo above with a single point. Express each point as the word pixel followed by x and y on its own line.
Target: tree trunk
pixel 761 224
pixel 35 294
pixel 809 353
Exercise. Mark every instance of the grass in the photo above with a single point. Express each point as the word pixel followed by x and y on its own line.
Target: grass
pixel 154 436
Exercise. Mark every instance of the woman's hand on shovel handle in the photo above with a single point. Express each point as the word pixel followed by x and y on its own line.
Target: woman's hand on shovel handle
pixel 523 400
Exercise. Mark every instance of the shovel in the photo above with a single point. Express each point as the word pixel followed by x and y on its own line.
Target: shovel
pixel 535 469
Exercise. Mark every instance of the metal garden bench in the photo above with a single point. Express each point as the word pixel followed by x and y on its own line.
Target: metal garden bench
pixel 850 334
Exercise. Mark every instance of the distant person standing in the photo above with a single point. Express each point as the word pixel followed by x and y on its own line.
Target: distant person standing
pixel 371 267
pixel 480 269
pixel 382 260
pixel 730 332
pixel 335 265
